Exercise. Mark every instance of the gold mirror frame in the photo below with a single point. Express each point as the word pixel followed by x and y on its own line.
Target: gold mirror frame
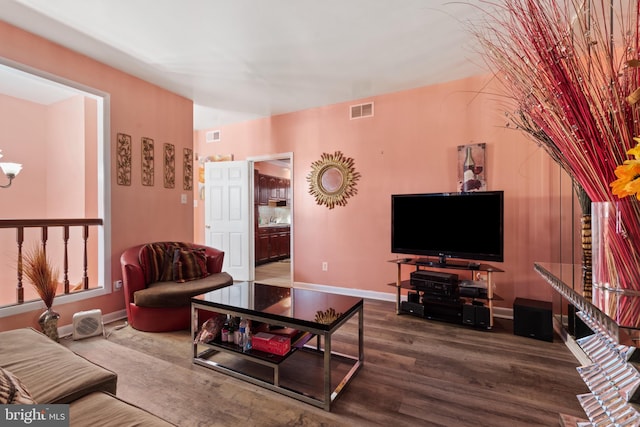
pixel 332 179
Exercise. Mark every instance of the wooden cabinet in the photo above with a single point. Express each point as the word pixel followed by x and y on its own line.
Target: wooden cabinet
pixel 263 189
pixel 262 248
pixel 272 244
pixel 270 187
pixel 281 189
pixel 284 244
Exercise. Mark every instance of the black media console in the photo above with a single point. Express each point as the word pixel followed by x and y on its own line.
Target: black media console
pixel 435 292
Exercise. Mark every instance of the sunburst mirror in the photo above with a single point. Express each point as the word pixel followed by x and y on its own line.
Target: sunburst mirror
pixel 332 179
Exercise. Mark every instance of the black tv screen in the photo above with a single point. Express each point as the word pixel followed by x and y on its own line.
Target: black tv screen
pixel 449 225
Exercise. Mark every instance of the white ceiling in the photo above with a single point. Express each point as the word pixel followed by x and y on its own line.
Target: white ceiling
pixel 240 60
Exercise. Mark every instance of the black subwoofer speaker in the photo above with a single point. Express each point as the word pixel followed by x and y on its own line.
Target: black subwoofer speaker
pixel 469 314
pixel 476 315
pixel 483 317
pixel 533 319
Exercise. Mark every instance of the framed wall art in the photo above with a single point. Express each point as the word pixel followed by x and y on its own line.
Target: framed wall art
pixel 147 162
pixel 123 160
pixel 187 183
pixel 471 168
pixel 169 165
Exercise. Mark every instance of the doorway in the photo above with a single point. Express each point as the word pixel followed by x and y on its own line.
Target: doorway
pixel 273 219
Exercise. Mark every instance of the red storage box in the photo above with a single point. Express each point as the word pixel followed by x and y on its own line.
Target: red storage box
pixel 271 343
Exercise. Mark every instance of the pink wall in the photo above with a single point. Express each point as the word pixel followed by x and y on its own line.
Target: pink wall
pixel 410 145
pixel 140 109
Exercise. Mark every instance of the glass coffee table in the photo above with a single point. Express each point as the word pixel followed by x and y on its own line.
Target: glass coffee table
pixel 311 371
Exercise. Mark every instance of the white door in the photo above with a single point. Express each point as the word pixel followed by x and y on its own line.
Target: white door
pixel 228 219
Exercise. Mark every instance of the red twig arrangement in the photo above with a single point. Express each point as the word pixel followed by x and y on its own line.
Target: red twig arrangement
pixel 569 68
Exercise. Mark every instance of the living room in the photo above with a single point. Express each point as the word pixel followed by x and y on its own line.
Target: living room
pixel 409 145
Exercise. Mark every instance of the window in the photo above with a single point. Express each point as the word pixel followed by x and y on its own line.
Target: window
pixel 59 131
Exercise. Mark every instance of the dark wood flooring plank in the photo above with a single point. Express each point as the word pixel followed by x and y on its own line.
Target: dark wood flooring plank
pixel 416 372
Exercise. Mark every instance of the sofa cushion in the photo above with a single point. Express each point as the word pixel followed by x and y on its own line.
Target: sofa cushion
pixel 51 372
pixel 189 264
pixel 12 391
pixel 172 294
pixel 102 409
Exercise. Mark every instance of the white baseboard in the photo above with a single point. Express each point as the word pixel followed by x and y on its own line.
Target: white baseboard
pixel 503 313
pixel 382 296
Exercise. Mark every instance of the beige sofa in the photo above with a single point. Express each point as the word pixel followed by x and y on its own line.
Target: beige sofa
pixel 51 373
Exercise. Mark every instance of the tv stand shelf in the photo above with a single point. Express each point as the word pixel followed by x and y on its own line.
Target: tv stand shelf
pixel 486 295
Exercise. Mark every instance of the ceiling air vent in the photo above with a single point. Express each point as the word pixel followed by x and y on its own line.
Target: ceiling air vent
pixel 362 110
pixel 213 136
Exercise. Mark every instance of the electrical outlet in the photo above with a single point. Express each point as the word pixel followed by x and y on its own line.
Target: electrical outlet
pixel 117 284
pixel 325 266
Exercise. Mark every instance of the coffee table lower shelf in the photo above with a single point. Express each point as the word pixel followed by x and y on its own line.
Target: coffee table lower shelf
pixel 298 374
pixel 315 374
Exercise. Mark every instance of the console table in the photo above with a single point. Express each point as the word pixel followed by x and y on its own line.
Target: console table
pixel 612 376
pixel 313 374
pixel 434 264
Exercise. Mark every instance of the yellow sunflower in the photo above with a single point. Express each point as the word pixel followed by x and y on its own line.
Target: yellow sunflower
pixel 628 173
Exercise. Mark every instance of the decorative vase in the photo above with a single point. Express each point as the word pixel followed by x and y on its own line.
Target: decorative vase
pixel 615 264
pixel 49 324
pixel 587 278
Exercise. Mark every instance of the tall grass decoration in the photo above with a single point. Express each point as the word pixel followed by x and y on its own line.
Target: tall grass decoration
pixel 43 277
pixel 568 69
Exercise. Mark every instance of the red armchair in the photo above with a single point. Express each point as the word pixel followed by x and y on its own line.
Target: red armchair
pixel 154 301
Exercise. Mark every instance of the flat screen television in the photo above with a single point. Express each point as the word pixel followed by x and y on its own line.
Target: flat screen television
pixel 467 226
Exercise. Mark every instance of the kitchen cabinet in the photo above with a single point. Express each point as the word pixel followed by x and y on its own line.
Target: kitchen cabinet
pixel 273 244
pixel 262 248
pixel 271 188
pixel 263 189
pixel 272 185
pixel 281 189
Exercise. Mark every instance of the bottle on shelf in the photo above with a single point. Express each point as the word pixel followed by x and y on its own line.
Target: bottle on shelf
pixel 246 341
pixel 236 332
pixel 241 337
pixel 232 332
pixel 224 333
pixel 244 329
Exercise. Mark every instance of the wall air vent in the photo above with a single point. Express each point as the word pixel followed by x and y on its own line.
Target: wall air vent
pixel 360 111
pixel 213 136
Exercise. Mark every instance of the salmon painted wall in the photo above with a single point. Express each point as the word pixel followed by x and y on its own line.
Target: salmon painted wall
pixel 138 214
pixel 409 146
pixel 21 142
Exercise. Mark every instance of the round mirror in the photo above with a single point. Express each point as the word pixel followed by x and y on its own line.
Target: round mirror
pixel 332 179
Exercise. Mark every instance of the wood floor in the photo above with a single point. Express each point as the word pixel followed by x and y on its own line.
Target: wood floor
pixel 416 373
pixel 274 273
